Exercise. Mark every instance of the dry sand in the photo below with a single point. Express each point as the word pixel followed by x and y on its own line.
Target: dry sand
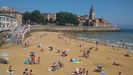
pixel 105 56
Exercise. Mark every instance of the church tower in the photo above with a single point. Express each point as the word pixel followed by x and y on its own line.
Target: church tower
pixel 92 15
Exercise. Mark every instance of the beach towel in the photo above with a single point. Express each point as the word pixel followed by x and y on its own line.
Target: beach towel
pixel 76 61
pixel 103 72
pixel 52 69
pixel 67 50
pixel 26 61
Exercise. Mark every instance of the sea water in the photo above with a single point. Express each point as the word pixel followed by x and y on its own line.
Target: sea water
pixel 125 36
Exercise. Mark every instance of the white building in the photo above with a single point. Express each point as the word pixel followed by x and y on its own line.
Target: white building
pixel 7 22
pixel 11 12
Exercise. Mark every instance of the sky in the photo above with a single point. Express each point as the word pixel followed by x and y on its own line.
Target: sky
pixel 118 12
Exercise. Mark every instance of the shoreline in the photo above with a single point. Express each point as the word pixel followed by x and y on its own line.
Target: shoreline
pixel 103 42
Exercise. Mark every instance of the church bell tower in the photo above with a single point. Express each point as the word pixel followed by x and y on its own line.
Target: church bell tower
pixel 92 15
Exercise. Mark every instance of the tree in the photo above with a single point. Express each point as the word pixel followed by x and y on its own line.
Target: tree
pixel 37 17
pixel 26 17
pixel 63 18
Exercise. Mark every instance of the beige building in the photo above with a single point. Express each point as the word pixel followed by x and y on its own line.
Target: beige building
pixel 82 19
pixel 12 13
pixel 50 16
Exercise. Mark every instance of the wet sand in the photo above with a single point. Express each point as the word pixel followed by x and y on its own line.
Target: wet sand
pixel 105 56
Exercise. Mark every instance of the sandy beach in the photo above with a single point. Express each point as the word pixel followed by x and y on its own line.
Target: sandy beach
pixel 105 56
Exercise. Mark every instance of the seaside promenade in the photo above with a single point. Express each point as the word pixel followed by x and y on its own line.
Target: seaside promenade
pixel 74 28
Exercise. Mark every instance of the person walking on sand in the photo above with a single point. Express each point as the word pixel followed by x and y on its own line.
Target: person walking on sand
pixel 10 70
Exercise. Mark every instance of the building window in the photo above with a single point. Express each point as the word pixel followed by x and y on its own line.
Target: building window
pixel 3 18
pixel 7 19
pixel 11 20
pixel 0 18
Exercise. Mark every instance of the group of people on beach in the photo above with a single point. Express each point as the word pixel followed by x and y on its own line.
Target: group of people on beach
pixel 28 72
pixel 80 71
pixel 31 59
pixel 56 65
pixel 86 52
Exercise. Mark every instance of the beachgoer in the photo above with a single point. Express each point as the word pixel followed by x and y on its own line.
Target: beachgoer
pixel 11 71
pixel 40 45
pixel 127 55
pixel 119 73
pixel 26 71
pixel 80 71
pixel 60 64
pixel 55 66
pixel 58 51
pixel 99 68
pixel 116 64
pixel 83 71
pixel 31 72
pixel 42 50
pixel 32 59
pixel 50 48
pixel 87 73
pixel 86 53
pixel 77 71
pixel 38 60
pixel 64 53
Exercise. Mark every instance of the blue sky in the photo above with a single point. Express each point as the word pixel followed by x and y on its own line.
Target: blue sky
pixel 118 12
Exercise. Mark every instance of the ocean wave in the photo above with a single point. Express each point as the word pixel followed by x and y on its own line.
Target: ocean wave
pixel 110 43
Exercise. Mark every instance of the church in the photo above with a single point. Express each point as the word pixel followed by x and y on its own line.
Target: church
pixel 92 20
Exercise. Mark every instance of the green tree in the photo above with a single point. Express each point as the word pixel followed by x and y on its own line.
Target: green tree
pixel 63 18
pixel 37 17
pixel 26 17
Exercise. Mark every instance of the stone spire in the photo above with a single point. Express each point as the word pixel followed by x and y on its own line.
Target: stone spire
pixel 92 15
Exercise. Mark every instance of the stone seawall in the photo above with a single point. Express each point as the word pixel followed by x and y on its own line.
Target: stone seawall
pixel 1 38
pixel 74 28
